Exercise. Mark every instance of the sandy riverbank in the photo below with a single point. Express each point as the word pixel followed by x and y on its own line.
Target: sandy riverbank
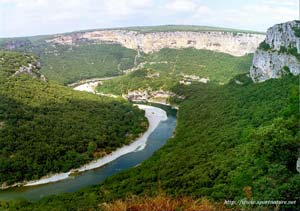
pixel 88 87
pixel 153 114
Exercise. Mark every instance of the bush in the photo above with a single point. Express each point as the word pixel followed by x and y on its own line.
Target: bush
pixel 264 46
pixel 296 31
pixel 286 68
pixel 293 51
pixel 283 49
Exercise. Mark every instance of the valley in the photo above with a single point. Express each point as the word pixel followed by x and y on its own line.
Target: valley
pixel 236 136
pixel 132 156
pixel 40 117
pixel 106 53
pixel 233 43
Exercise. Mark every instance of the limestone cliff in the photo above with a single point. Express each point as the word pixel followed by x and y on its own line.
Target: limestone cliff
pixel 237 44
pixel 279 53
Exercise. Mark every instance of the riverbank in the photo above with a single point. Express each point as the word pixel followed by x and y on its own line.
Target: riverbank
pixel 91 80
pixel 91 85
pixel 153 114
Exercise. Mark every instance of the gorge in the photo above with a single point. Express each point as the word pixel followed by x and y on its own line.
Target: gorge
pixel 234 43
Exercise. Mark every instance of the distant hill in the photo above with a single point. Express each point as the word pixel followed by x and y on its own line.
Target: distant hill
pixel 73 56
pixel 235 140
pixel 172 28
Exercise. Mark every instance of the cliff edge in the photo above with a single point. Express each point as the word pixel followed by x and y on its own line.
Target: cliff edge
pixel 234 43
pixel 278 54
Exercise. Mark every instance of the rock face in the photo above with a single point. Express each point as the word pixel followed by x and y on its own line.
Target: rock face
pixel 237 44
pixel 278 54
pixel 13 44
pixel 159 96
pixel 32 69
pixel 284 34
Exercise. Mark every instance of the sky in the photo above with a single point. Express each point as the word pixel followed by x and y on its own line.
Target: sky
pixel 36 17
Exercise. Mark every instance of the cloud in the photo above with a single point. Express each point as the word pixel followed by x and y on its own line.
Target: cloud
pixel 20 17
pixel 262 15
pixel 286 3
pixel 181 6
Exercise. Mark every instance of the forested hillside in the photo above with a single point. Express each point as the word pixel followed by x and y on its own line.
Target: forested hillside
pixel 68 64
pixel 233 142
pixel 47 128
pixel 77 57
pixel 166 68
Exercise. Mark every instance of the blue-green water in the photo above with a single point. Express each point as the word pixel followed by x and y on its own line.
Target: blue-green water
pixel 155 141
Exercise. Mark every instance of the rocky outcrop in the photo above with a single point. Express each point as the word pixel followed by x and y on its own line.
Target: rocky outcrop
pixel 237 44
pixel 31 69
pixel 159 96
pixel 188 79
pixel 284 35
pixel 12 44
pixel 278 54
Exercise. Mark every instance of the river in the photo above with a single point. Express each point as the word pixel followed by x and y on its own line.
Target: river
pixel 155 141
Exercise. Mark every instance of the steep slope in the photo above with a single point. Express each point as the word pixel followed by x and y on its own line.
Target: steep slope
pixel 65 64
pixel 13 64
pixel 279 53
pixel 238 141
pixel 111 52
pixel 167 68
pixel 47 128
pixel 235 142
pixel 234 43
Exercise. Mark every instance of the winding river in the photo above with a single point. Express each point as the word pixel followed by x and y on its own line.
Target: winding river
pixel 157 138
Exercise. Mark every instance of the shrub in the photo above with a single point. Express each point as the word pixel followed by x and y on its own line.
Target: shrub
pixel 296 31
pixel 286 69
pixel 293 51
pixel 160 202
pixel 283 49
pixel 264 46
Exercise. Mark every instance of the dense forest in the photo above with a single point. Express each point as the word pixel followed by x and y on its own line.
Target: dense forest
pixel 65 64
pixel 233 142
pixel 47 128
pixel 164 69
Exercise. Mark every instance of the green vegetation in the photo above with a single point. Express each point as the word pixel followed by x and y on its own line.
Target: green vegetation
pixel 193 28
pixel 296 31
pixel 10 62
pixel 172 64
pixel 237 141
pixel 290 51
pixel 67 64
pixel 286 69
pixel 283 49
pixel 293 51
pixel 264 46
pixel 232 142
pixel 46 127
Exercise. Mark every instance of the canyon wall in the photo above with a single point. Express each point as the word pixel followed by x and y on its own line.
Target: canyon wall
pixel 234 43
pixel 278 54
